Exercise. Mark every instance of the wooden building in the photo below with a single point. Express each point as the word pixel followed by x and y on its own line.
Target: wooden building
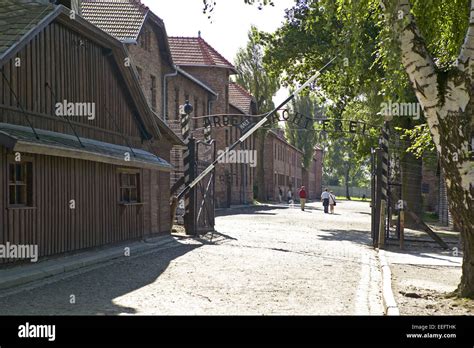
pixel 94 173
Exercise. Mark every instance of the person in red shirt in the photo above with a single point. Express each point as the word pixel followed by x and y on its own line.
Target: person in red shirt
pixel 302 197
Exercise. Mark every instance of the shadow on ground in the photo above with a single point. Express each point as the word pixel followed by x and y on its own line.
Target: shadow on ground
pixel 94 291
pixel 356 236
pixel 254 210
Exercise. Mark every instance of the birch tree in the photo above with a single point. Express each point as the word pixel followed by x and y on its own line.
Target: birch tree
pixel 446 98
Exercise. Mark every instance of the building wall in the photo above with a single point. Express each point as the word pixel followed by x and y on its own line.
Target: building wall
pixel 283 169
pixel 312 177
pixel 242 174
pixel 77 73
pixel 218 80
pixel 179 89
pixel 98 217
pixel 148 61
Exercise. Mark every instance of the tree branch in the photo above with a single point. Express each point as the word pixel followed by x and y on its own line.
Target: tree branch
pixel 466 56
pixel 416 59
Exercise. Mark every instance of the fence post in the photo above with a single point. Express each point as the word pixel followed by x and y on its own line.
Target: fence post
pixel 402 228
pixel 378 194
pixel 383 207
pixel 374 230
pixel 190 197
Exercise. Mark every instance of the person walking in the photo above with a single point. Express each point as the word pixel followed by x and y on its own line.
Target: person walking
pixel 290 196
pixel 302 197
pixel 325 199
pixel 280 194
pixel 332 201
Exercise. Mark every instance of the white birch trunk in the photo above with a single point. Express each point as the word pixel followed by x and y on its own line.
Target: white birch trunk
pixel 449 110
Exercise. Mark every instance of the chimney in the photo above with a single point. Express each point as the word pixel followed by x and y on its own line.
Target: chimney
pixel 74 5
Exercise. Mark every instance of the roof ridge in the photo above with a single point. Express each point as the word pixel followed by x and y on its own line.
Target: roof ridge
pixel 203 47
pixel 242 89
pixel 140 5
pixel 216 52
pixel 206 50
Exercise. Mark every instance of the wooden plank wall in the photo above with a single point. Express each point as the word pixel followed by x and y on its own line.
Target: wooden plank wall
pixel 77 71
pixel 98 219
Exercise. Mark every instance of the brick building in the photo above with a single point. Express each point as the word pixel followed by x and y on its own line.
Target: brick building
pixel 242 103
pixel 165 85
pixel 283 168
pixel 197 58
pixel 312 178
pixel 282 165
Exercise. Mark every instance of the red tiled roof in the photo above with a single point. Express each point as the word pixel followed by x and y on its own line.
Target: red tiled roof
pixel 240 98
pixel 123 19
pixel 192 51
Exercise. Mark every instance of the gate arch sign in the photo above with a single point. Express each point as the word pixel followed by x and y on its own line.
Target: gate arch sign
pixel 299 120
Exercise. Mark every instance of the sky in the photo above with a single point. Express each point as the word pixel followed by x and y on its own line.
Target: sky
pixel 227 30
pixel 230 21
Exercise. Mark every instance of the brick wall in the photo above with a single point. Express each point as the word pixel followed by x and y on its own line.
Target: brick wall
pixel 284 169
pixel 149 62
pixel 180 89
pixel 218 80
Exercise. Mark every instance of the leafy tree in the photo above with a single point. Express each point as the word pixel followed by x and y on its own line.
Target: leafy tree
pixel 389 46
pixel 342 167
pixel 425 44
pixel 254 77
pixel 304 139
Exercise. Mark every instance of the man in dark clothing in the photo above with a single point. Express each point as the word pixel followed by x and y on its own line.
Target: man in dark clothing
pixel 325 199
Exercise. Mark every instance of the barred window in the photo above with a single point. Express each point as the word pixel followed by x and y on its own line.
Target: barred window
pixel 20 184
pixel 129 187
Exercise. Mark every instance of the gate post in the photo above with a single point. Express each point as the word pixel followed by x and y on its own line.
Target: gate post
pixel 378 194
pixel 373 195
pixel 190 197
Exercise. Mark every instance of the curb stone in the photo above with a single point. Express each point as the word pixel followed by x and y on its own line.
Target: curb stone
pixel 22 275
pixel 389 303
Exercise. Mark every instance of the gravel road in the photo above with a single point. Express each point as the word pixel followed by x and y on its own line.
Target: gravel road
pixel 263 261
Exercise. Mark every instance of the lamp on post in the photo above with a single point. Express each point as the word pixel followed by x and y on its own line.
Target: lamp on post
pixel 188 108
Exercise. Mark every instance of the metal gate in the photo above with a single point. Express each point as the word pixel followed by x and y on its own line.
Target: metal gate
pixel 204 192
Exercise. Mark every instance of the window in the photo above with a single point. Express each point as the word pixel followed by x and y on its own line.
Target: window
pixel 129 187
pixel 153 92
pixel 20 184
pixel 145 40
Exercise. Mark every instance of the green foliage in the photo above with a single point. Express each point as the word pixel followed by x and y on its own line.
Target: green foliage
pixel 368 71
pixel 253 75
pixel 420 139
pixel 304 139
pixel 343 167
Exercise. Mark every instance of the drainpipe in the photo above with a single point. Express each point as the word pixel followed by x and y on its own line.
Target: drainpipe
pixel 165 93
